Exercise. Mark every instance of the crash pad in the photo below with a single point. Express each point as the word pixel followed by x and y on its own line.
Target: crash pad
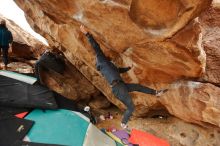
pixel 62 127
pixel 21 115
pixel 19 77
pixel 25 143
pixel 17 94
pixel 146 139
pixel 94 137
pixel 13 129
pixel 115 138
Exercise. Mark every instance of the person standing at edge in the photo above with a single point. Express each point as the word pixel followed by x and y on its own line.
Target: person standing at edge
pixel 112 74
pixel 6 40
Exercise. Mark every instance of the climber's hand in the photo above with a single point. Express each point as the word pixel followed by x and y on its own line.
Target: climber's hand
pixel 83 29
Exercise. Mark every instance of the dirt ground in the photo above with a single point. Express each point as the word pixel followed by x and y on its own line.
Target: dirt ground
pixel 165 126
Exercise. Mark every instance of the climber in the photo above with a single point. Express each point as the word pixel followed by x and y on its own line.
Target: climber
pixel 112 74
pixel 49 60
pixel 6 40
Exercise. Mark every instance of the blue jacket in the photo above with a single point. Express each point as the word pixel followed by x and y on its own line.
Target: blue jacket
pixel 5 37
pixel 107 68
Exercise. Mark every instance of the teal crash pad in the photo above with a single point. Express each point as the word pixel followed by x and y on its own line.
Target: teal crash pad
pixel 57 127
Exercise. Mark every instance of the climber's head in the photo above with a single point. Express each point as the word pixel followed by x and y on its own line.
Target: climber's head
pixel 3 23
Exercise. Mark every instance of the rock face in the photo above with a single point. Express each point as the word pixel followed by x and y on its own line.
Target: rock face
pixel 163 46
pixel 196 102
pixel 210 21
pixel 71 84
pixel 165 17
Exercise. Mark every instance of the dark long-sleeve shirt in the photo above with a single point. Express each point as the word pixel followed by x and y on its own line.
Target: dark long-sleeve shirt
pixel 5 37
pixel 107 68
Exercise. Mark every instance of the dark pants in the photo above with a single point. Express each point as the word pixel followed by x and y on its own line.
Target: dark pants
pixel 4 50
pixel 121 91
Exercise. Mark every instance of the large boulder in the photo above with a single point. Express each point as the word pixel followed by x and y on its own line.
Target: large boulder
pixel 162 48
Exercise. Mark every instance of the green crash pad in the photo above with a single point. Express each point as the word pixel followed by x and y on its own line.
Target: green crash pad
pixel 57 127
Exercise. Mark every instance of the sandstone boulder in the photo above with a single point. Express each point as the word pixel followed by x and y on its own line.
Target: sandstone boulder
pixel 160 58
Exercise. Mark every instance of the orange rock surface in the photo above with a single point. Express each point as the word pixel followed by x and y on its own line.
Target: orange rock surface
pixel 162 40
